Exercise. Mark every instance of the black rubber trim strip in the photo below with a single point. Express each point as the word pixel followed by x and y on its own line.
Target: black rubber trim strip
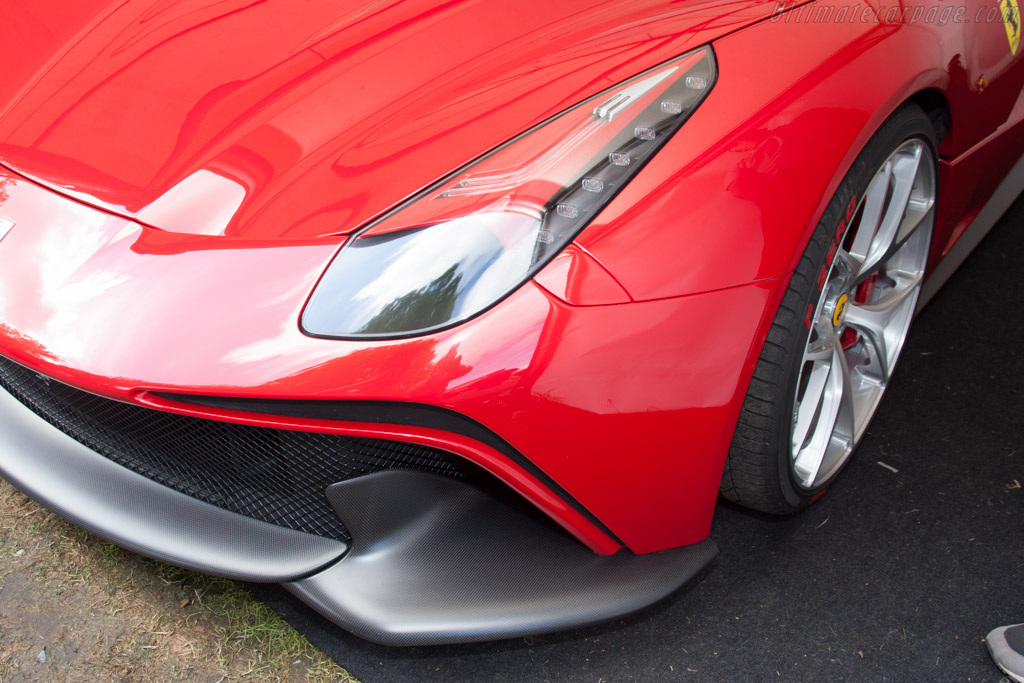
pixel 394 413
pixel 137 513
pixel 437 561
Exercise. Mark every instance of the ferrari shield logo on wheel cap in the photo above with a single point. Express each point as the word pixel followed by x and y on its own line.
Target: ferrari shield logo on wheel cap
pixel 840 311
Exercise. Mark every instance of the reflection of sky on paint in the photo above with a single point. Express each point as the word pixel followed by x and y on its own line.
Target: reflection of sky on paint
pixel 510 342
pixel 70 278
pixel 203 203
pixel 491 252
pixel 64 250
pixel 69 237
pixel 64 327
pixel 275 347
pixel 62 260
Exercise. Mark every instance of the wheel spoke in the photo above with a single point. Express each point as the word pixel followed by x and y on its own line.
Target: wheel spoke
pixel 904 167
pixel 842 437
pixel 824 408
pixel 810 406
pixel 918 211
pixel 905 235
pixel 871 218
pixel 883 323
pixel 818 354
pixel 821 349
pixel 845 267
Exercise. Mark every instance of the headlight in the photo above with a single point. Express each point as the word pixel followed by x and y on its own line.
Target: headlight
pixel 469 241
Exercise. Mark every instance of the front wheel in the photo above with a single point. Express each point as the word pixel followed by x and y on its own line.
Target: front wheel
pixel 835 340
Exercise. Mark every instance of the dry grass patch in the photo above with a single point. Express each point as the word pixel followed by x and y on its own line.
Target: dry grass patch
pixel 75 608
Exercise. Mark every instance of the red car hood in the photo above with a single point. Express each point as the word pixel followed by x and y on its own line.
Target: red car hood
pixel 293 120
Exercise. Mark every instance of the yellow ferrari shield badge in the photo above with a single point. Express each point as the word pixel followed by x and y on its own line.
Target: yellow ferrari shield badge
pixel 840 310
pixel 1010 11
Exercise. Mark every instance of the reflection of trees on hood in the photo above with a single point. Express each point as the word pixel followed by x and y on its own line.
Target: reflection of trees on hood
pixel 4 182
pixel 430 305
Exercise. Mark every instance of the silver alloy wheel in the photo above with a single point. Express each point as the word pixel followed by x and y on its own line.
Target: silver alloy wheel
pixel 863 314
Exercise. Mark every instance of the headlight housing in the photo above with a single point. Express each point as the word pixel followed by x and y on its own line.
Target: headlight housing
pixel 470 240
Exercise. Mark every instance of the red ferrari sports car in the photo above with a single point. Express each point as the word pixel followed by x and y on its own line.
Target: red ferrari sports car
pixel 457 318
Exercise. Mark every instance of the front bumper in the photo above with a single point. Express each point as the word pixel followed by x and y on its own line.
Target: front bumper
pixel 618 417
pixel 432 560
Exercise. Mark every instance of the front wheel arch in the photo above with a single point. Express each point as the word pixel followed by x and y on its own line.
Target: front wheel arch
pixel 770 466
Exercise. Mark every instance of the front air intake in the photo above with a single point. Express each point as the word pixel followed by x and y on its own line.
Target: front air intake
pixel 272 475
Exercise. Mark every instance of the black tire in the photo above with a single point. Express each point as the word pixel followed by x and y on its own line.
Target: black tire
pixel 759 472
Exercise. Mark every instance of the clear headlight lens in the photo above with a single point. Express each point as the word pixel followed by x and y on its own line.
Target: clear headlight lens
pixel 469 241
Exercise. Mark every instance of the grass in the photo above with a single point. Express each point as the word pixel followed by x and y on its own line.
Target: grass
pixel 245 627
pixel 102 613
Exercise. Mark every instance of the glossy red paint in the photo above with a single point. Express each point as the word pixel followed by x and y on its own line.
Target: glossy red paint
pixel 244 118
pixel 226 185
pixel 736 195
pixel 966 183
pixel 574 276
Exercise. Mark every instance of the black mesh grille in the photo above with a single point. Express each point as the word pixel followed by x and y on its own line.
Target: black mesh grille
pixel 273 475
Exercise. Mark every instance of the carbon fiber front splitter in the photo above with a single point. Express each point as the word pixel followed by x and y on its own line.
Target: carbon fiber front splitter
pixel 432 560
pixel 435 561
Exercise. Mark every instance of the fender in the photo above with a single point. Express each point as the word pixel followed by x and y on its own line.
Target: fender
pixel 745 181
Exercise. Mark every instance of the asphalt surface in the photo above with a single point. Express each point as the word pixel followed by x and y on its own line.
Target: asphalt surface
pixel 893 575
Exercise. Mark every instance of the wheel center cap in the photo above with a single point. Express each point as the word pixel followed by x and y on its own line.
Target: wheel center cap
pixel 840 310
